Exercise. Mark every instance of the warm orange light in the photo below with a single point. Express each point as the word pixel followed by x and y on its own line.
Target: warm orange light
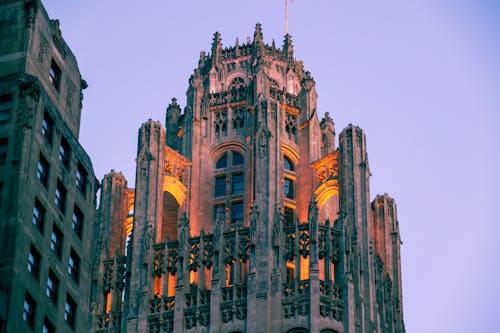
pixel 158 286
pixel 304 268
pixel 108 302
pixel 171 285
pixel 193 278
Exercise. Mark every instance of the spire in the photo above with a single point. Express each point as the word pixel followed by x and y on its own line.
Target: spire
pixel 216 49
pixel 288 47
pixel 237 47
pixel 257 36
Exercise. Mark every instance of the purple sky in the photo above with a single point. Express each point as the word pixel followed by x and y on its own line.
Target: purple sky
pixel 421 77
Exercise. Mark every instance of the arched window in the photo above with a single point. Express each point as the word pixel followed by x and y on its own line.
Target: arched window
pixel 288 164
pixel 229 186
pixel 236 83
pixel 288 179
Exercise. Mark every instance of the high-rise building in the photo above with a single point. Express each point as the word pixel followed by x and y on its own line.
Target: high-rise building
pixel 246 216
pixel 47 183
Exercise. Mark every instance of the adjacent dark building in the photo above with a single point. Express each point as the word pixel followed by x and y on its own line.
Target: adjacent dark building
pixel 47 184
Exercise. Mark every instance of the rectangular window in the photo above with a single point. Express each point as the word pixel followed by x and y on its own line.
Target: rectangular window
pixel 220 186
pixel 288 190
pixel 47 126
pixel 56 241
pixel 42 170
pixel 77 221
pixel 237 183
pixel 29 310
pixel 48 327
pixel 220 210
pixel 5 108
pixel 81 178
pixel 237 212
pixel 52 287
pixel 3 150
pixel 60 197
pixel 288 216
pixel 64 152
pixel 74 265
pixel 70 311
pixel 34 262
pixel 38 216
pixel 55 75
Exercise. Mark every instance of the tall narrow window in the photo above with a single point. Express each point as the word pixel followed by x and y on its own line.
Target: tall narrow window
pixel 288 179
pixel 64 151
pixel 5 108
pixel 60 197
pixel 3 150
pixel 74 265
pixel 289 216
pixel 220 186
pixel 70 311
pixel 237 212
pixel 47 127
pixel 220 123
pixel 288 189
pixel 42 171
pixel 48 327
pixel 38 216
pixel 237 183
pixel 33 262
pixel 52 287
pixel 81 178
pixel 56 241
pixel 29 310
pixel 77 221
pixel 55 75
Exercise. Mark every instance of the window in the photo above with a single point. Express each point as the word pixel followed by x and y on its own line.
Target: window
pixel 222 162
pixel 38 216
pixel 42 170
pixel 220 123
pixel 237 183
pixel 60 198
pixel 29 310
pixel 287 164
pixel 47 127
pixel 220 186
pixel 237 159
pixel 289 216
pixel 55 75
pixel 219 209
pixel 81 178
pixel 3 150
pixel 73 265
pixel 56 241
pixel 34 262
pixel 70 311
pixel 77 221
pixel 52 287
pixel 5 108
pixel 64 151
pixel 237 212
pixel 288 190
pixel 48 327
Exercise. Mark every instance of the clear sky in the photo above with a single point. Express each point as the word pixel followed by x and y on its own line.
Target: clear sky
pixel 421 77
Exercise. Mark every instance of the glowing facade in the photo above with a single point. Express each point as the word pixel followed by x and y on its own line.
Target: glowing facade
pixel 246 217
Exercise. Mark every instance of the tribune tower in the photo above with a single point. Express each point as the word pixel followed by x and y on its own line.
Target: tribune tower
pixel 246 216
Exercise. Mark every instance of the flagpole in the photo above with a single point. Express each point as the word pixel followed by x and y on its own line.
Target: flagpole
pixel 286 17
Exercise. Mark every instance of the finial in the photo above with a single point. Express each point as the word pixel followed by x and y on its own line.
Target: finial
pixel 237 47
pixel 216 49
pixel 257 36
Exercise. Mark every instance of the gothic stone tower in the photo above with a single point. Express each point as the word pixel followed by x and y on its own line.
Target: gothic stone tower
pixel 246 217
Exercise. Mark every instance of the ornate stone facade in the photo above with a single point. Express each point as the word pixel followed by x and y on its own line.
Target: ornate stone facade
pixel 246 217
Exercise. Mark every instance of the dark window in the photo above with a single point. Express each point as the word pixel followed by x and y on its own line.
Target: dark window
pixel 70 311
pixel 29 310
pixel 64 152
pixel 222 162
pixel 220 210
pixel 237 183
pixel 3 150
pixel 288 189
pixel 56 241
pixel 237 158
pixel 33 262
pixel 47 127
pixel 48 327
pixel 52 287
pixel 220 186
pixel 288 216
pixel 38 216
pixel 287 164
pixel 55 75
pixel 60 198
pixel 81 178
pixel 5 108
pixel 42 170
pixel 77 221
pixel 237 212
pixel 73 265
